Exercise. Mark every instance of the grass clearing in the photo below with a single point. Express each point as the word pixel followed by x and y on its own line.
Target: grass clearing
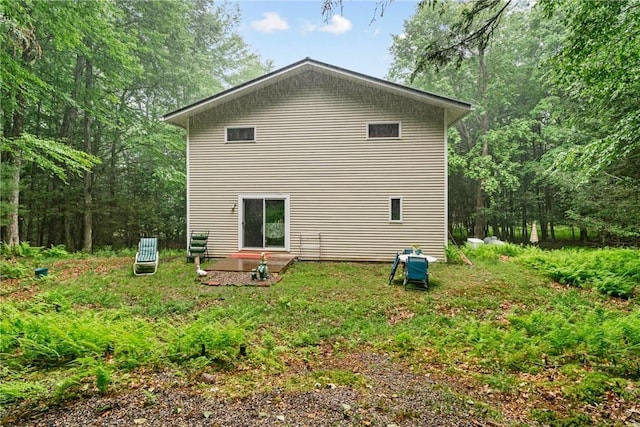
pixel 495 332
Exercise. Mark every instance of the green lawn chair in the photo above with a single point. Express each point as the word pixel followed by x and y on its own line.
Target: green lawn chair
pixel 146 262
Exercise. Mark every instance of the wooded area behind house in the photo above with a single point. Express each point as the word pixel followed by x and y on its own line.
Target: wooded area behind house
pixel 86 162
pixel 95 77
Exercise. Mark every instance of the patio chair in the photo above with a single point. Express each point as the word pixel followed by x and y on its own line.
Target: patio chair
pixel 416 271
pixel 198 246
pixel 394 267
pixel 146 262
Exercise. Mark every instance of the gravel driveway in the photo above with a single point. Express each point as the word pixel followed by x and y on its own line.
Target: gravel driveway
pixel 392 395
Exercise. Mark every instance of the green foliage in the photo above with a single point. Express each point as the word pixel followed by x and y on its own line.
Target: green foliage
pixel 487 325
pixel 494 252
pixel 552 419
pixel 614 272
pixel 206 338
pixel 594 386
pixel 598 63
pixel 556 138
pixel 103 379
pixel 452 253
pixel 56 252
pixel 22 249
pixel 89 82
pixel 14 270
pixel 16 390
pixel 52 156
pixel 616 286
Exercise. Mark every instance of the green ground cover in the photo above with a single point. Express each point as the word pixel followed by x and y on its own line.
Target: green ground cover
pixel 517 323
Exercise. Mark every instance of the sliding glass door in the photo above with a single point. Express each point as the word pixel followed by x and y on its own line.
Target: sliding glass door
pixel 264 222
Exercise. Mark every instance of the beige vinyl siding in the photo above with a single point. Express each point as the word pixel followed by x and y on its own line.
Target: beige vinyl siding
pixel 311 144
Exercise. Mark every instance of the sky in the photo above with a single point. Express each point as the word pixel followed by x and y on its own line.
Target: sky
pixel 357 39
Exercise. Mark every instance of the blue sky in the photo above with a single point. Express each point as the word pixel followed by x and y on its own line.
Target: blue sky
pixel 288 31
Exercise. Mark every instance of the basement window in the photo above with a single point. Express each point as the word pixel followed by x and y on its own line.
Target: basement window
pixel 395 209
pixel 240 134
pixel 383 130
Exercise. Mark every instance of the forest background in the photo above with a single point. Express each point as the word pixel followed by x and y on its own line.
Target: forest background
pixel 87 162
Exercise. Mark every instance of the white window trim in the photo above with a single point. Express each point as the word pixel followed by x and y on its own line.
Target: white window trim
pixel 390 122
pixel 287 219
pixel 255 134
pixel 395 221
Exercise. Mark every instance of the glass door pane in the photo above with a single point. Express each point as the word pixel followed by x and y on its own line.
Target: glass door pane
pixel 253 223
pixel 274 223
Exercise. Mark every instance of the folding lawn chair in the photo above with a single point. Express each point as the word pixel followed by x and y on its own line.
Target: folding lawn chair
pixel 394 267
pixel 416 271
pixel 146 262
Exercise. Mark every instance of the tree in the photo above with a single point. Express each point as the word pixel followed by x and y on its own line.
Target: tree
pixel 593 60
pixel 95 77
pixel 18 147
pixel 494 174
pixel 598 68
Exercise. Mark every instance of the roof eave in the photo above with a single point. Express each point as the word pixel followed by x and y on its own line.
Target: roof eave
pixel 455 109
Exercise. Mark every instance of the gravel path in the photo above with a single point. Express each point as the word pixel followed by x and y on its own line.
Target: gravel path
pixel 392 396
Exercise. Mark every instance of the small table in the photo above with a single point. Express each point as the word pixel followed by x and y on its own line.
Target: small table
pixel 429 258
pixel 402 258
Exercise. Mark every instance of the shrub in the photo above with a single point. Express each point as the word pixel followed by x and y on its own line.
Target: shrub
pixel 616 286
pixel 614 272
pixel 56 252
pixel 453 254
pixel 204 338
pixel 493 252
pixel 22 249
pixel 14 270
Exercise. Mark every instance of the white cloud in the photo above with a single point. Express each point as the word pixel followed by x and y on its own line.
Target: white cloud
pixel 339 25
pixel 309 27
pixel 270 23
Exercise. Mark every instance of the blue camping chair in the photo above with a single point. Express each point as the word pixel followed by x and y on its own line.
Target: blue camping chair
pixel 147 257
pixel 394 267
pixel 416 271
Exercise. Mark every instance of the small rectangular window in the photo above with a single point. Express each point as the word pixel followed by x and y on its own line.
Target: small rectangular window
pixel 241 134
pixel 395 209
pixel 383 130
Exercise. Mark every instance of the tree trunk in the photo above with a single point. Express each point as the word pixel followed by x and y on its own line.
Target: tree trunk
pixel 13 229
pixel 481 196
pixel 17 128
pixel 68 133
pixel 87 245
pixel 584 235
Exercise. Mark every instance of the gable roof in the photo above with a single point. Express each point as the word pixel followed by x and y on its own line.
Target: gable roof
pixel 455 109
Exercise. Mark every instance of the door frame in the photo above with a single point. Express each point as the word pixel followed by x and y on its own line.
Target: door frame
pixel 264 196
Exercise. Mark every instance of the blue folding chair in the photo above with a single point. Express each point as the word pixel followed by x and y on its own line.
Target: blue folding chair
pixel 394 267
pixel 416 271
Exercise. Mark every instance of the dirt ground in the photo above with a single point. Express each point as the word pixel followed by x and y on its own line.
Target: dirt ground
pixel 386 394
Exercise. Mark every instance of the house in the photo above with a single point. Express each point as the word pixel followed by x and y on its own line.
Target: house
pixel 319 162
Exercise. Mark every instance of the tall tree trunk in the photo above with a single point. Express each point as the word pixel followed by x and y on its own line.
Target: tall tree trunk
pixel 17 128
pixel 87 245
pixel 481 196
pixel 13 229
pixel 67 132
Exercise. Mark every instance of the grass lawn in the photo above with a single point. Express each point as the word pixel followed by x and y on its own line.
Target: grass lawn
pixel 499 333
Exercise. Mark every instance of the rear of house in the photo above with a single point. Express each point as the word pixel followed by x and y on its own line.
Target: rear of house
pixel 319 162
